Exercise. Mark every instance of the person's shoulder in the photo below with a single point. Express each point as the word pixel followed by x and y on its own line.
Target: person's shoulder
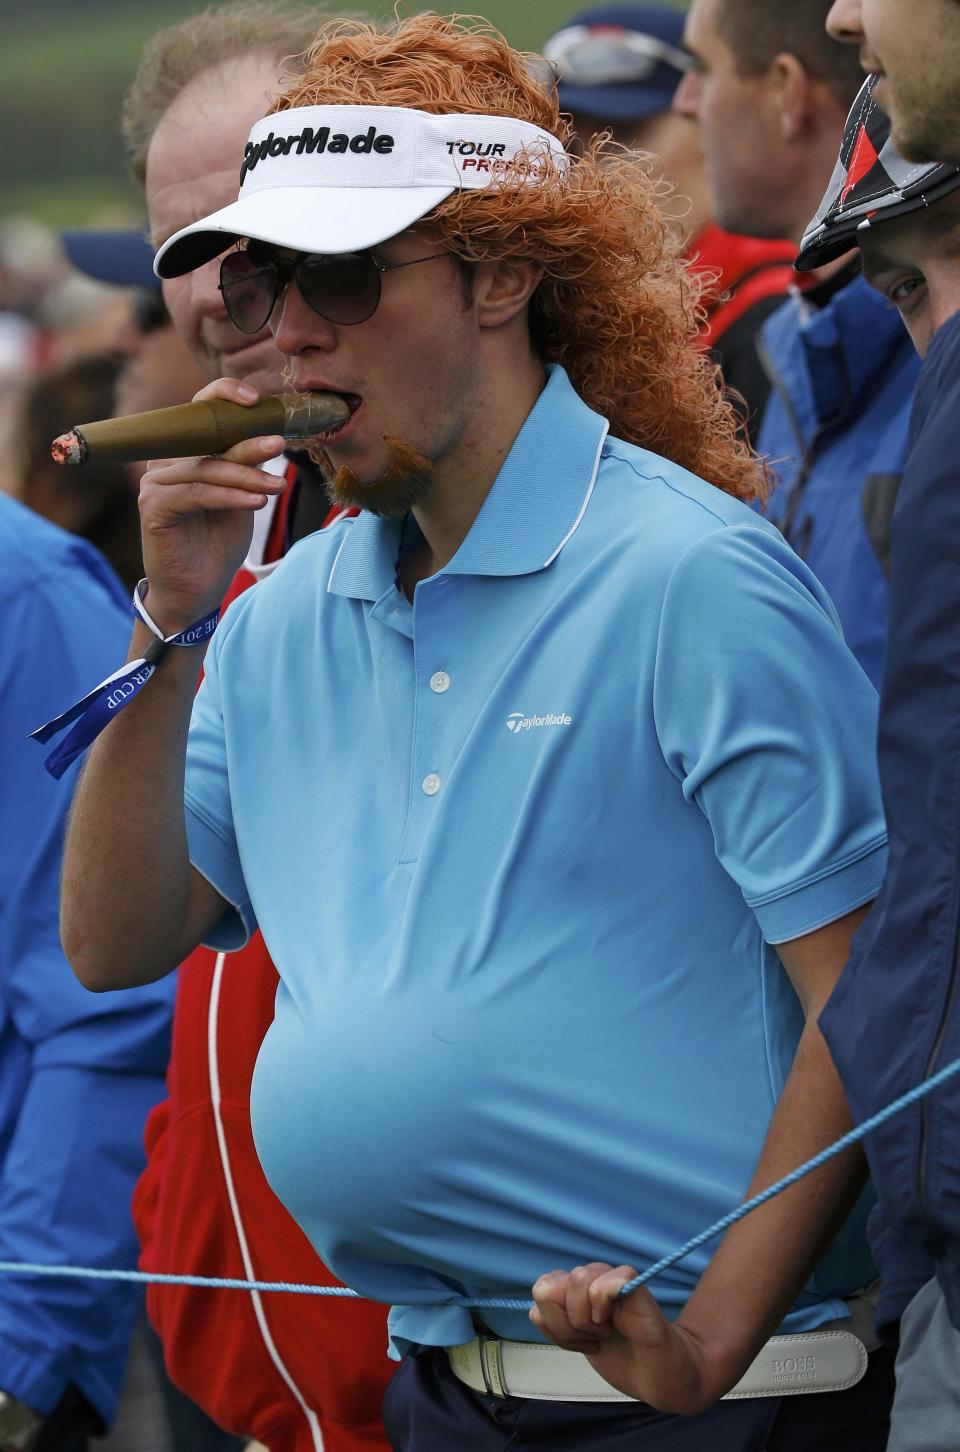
pixel 37 556
pixel 304 568
pixel 29 543
pixel 309 560
pixel 676 530
pixel 664 501
pixel 64 616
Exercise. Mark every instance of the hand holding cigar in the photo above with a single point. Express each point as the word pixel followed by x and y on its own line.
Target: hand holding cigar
pixel 201 490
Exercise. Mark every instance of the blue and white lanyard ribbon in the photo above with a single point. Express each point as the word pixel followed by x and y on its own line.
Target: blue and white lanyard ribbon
pixel 99 706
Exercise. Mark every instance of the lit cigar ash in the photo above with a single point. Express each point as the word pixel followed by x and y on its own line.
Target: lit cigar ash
pixel 69 448
pixel 208 427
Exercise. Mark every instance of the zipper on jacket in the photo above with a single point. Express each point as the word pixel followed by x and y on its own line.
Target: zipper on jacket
pixel 807 451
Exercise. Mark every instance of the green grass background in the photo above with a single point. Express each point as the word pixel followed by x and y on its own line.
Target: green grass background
pixel 64 65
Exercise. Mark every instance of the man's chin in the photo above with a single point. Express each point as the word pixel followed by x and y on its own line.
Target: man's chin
pixel 912 136
pixel 903 143
pixel 402 484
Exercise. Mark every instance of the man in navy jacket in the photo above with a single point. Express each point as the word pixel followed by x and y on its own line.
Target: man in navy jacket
pixel 894 1018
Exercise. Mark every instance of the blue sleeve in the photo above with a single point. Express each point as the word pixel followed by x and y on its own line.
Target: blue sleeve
pixel 79 1071
pixel 769 723
pixel 208 809
pixel 57 638
pixel 59 635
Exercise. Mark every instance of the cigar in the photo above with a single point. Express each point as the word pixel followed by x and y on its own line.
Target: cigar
pixel 209 427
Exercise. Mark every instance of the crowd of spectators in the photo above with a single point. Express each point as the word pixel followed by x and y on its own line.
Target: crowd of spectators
pixel 800 222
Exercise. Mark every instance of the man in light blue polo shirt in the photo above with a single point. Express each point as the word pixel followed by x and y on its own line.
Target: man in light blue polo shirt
pixel 605 814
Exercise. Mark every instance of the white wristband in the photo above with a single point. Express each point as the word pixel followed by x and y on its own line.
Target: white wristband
pixel 139 590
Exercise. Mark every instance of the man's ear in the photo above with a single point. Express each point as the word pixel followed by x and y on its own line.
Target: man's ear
pixel 792 91
pixel 501 290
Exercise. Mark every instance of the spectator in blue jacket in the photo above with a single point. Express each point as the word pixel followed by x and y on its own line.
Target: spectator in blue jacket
pixel 894 1018
pixel 771 91
pixel 78 1072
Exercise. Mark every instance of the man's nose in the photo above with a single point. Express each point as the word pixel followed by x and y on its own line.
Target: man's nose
pixel 297 327
pixel 207 297
pixel 845 22
pixel 686 98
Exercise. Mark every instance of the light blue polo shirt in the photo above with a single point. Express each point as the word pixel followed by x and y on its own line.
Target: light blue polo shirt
pixel 518 851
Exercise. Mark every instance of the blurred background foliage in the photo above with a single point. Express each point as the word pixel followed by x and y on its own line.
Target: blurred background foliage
pixel 64 66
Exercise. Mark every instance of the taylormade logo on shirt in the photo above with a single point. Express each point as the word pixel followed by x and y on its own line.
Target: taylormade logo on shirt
pixel 314 142
pixel 517 721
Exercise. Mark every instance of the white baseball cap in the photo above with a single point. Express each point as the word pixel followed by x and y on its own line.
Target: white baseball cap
pixel 380 169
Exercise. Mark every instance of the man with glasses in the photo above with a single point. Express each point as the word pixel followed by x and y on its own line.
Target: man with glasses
pixel 617 68
pixel 285 1371
pixel 599 745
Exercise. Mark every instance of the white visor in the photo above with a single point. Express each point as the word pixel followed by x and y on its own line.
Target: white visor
pixel 381 168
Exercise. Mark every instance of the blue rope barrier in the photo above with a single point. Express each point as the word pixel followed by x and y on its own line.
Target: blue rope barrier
pixel 94 1273
pixel 155 1278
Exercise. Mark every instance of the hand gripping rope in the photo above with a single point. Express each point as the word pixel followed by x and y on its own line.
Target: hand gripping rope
pixel 15 1267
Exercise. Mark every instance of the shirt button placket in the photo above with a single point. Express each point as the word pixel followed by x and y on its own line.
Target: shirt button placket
pixel 439 685
pixel 434 722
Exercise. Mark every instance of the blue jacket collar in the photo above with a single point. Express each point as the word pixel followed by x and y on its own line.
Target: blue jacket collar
pixel 841 347
pixel 533 507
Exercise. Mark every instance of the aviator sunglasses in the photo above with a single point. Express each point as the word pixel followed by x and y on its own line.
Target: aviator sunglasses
pixel 342 287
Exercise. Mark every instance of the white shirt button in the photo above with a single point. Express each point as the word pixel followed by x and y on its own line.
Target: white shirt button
pixel 439 682
pixel 432 784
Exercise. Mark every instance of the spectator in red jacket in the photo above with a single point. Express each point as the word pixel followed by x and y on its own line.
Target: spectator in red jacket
pixel 298 1373
pixel 617 68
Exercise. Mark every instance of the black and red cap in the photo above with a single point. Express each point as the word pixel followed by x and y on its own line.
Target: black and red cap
pixel 871 184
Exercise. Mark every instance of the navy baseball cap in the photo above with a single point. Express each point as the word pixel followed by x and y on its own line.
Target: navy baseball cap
pixel 871 184
pixel 123 257
pixel 619 62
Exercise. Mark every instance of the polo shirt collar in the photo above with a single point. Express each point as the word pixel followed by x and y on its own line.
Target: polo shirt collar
pixel 533 508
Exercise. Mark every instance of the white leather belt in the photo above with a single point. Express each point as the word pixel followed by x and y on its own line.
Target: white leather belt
pixel 831 1358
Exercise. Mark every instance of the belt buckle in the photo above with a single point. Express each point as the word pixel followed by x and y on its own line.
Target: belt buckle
pixel 491 1364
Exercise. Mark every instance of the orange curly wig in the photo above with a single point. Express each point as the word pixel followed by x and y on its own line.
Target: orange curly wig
pixel 617 306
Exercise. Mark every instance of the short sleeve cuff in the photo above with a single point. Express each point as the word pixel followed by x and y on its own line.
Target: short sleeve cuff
pixel 217 862
pixel 824 898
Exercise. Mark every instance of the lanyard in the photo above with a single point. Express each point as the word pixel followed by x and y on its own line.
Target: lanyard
pixel 98 707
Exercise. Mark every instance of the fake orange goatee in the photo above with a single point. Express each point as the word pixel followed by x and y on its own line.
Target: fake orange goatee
pixel 399 488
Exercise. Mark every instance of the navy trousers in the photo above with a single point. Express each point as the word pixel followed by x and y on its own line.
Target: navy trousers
pixel 426 1409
